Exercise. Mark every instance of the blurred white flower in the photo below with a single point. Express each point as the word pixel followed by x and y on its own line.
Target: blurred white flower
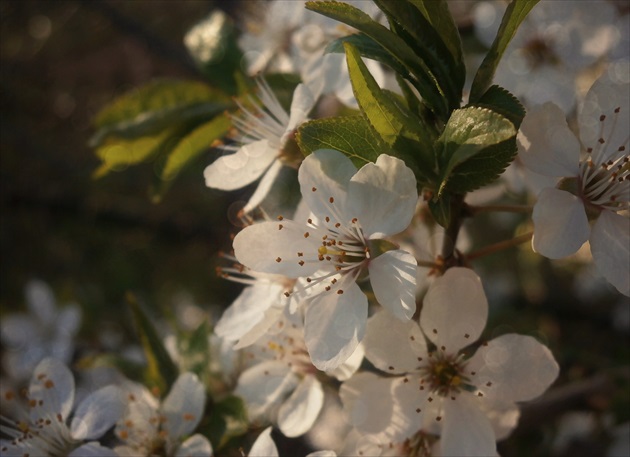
pixel 43 428
pixel 292 39
pixel 282 384
pixel 596 179
pixel 265 131
pixel 45 331
pixel 471 402
pixel 151 427
pixel 352 212
pixel 553 45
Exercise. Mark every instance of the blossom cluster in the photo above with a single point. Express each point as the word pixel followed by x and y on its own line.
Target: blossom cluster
pixel 360 295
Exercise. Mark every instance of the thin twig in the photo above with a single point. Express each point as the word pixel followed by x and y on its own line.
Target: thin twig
pixel 500 246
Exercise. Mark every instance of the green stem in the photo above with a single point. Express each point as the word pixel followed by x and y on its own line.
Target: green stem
pixel 452 231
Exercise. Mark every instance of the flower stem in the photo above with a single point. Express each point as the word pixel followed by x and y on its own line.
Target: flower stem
pixel 500 246
pixel 427 264
pixel 499 208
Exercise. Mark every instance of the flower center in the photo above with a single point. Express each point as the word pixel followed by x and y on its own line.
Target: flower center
pixel 444 374
pixel 605 172
pixel 539 53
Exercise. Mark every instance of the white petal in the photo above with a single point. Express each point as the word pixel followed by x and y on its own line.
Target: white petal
pixel 393 346
pixel 345 371
pixel 301 105
pixel 367 400
pixel 517 367
pixel 546 144
pixel 183 406
pixel 328 172
pixel 298 413
pixel 383 196
pixel 263 385
pixel 241 168
pixel 272 316
pixel 334 325
pixel 248 309
pixel 467 430
pixel 68 321
pixel 610 246
pixel 322 454
pixel 264 186
pixel 93 449
pixel 259 247
pixel 560 224
pixel 52 384
pixel 455 309
pixel 97 413
pixel 195 446
pixel 264 445
pixel 393 277
pixel 19 331
pixel 504 420
pixel 603 98
pixel 41 301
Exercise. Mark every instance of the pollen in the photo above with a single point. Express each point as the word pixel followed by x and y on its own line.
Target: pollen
pixel 331 200
pixel 339 292
pixel 278 259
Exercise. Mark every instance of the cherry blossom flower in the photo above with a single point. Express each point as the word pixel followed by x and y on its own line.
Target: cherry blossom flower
pixel 292 39
pixel 265 132
pixel 43 429
pixel 470 402
pixel 264 446
pixel 152 427
pixel 344 239
pixel 282 384
pixel 595 184
pixel 45 331
pixel 554 44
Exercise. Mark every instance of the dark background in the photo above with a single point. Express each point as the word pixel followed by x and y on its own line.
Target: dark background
pixel 93 241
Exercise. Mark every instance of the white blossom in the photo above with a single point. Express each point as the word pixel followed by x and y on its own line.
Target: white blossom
pixel 265 131
pixel 46 331
pixel 43 429
pixel 282 384
pixel 344 239
pixel 151 427
pixel 594 180
pixel 292 39
pixel 470 402
pixel 554 44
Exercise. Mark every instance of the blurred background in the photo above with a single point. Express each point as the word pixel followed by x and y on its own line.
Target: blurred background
pixel 95 240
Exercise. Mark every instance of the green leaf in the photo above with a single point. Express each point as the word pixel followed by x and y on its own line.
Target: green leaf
pixel 482 169
pixel 161 372
pixel 440 17
pixel 409 22
pixel 212 44
pixel 370 49
pixel 351 135
pixel 193 144
pixel 390 119
pixel 117 154
pixel 514 15
pixel 470 132
pixel 424 80
pixel 503 102
pixel 228 418
pixel 156 106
